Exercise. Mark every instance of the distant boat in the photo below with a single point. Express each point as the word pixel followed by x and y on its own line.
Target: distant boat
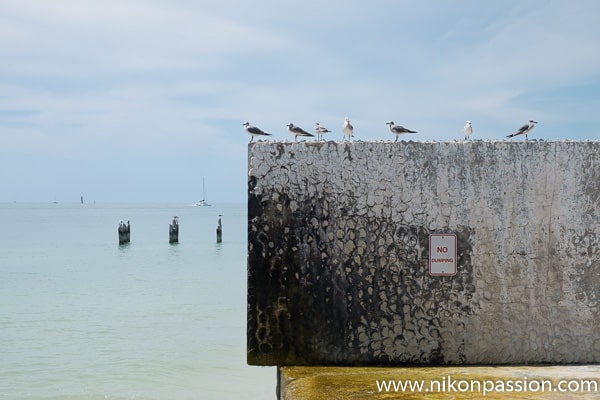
pixel 203 202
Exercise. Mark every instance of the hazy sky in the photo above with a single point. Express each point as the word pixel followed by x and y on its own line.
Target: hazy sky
pixel 137 100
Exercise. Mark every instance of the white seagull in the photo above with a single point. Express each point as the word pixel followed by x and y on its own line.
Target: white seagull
pixel 254 131
pixel 524 130
pixel 297 131
pixel 398 130
pixel 348 128
pixel 321 130
pixel 468 129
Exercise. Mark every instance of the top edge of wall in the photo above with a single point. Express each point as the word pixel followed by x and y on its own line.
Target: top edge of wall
pixel 266 142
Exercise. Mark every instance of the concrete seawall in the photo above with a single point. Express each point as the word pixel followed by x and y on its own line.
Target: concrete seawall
pixel 339 253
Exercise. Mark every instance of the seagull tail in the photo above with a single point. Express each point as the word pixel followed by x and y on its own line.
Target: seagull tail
pixel 511 135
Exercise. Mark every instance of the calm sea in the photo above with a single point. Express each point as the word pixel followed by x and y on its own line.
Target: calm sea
pixel 84 318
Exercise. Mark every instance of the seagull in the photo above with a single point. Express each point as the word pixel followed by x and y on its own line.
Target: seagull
pixel 348 128
pixel 321 130
pixel 398 130
pixel 254 131
pixel 297 131
pixel 468 129
pixel 525 129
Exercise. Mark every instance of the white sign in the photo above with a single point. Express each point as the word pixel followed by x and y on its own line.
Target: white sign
pixel 442 254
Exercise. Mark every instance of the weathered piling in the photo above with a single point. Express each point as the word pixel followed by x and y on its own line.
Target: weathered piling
pixel 174 230
pixel 124 232
pixel 219 230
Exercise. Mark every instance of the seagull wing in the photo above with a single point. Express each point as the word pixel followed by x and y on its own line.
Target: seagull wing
pixel 521 130
pixel 256 131
pixel 401 129
pixel 299 131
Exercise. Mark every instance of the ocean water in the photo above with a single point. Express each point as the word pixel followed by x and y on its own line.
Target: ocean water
pixel 84 318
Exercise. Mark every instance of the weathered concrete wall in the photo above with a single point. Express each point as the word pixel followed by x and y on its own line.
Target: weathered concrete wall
pixel 338 253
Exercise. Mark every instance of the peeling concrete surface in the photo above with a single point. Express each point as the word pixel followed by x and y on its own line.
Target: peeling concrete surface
pixel 338 253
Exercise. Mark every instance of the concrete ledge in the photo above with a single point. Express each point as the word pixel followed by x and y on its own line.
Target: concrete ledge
pixel 339 250
pixel 353 383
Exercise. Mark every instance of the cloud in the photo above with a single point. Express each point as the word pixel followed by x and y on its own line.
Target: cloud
pixel 87 38
pixel 160 78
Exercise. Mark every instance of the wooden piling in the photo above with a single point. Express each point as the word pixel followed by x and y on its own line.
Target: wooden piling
pixel 174 230
pixel 124 232
pixel 219 230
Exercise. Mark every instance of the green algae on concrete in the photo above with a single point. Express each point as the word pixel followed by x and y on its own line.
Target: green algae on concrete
pixel 515 382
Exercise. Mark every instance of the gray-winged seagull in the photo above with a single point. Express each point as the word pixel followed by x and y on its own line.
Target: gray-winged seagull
pixel 321 130
pixel 254 131
pixel 297 131
pixel 398 130
pixel 524 130
pixel 348 128
pixel 468 129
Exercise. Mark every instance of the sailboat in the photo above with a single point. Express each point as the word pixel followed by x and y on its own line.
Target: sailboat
pixel 203 203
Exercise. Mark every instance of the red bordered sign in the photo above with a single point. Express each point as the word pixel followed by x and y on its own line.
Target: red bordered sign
pixel 442 254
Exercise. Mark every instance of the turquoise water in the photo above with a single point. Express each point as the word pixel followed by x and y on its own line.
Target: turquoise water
pixel 84 318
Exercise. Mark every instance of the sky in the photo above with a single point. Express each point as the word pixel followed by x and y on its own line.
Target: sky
pixel 140 100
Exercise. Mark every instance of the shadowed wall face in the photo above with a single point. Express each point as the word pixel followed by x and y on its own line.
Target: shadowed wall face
pixel 338 253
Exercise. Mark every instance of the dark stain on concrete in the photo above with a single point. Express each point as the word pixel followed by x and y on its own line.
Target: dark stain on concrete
pixel 327 286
